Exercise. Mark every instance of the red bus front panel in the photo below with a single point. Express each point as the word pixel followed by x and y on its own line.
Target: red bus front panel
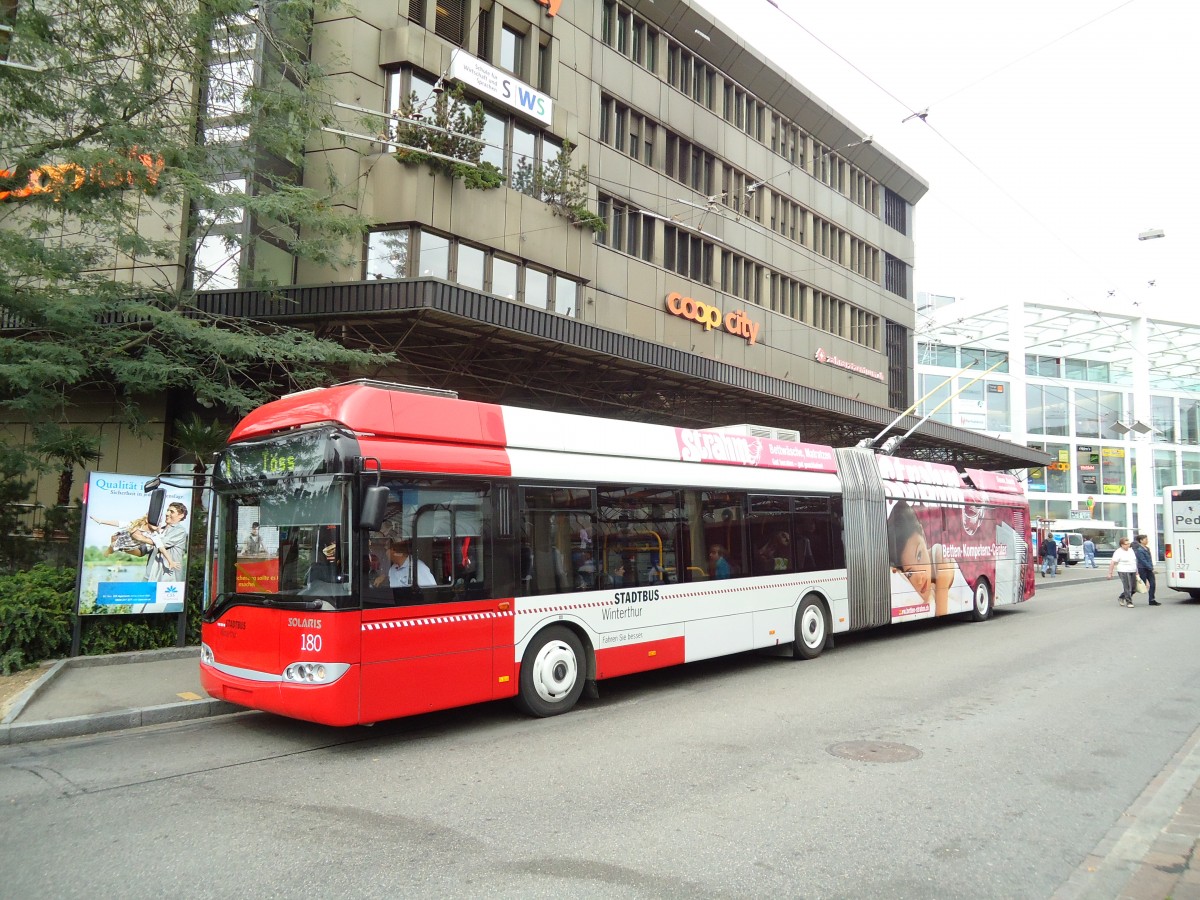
pixel 251 647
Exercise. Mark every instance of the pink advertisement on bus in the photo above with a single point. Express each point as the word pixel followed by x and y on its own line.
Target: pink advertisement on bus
pixel 949 546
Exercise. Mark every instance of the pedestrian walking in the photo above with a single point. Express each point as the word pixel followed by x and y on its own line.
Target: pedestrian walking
pixel 1124 563
pixel 1145 565
pixel 1049 554
pixel 1089 554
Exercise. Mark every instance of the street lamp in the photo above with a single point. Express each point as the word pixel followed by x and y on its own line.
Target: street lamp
pixel 1151 234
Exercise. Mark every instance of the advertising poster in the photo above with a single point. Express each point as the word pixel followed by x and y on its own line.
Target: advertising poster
pixel 943 539
pixel 129 563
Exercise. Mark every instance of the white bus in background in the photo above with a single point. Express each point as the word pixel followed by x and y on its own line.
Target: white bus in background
pixel 1181 537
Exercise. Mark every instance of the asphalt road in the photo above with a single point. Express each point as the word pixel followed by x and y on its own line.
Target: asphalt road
pixel 943 759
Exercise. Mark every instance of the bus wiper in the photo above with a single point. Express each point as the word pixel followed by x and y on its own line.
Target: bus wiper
pixel 292 604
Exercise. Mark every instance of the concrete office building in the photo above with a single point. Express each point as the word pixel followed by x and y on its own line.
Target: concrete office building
pixel 757 260
pixel 1113 395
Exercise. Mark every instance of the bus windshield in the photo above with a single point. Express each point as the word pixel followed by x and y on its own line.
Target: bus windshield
pixel 283 540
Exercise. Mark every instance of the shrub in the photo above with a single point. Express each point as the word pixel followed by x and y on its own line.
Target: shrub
pixel 35 616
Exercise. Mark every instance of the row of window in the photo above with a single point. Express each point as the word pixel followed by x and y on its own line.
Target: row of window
pixel 578 539
pixel 634 134
pixel 632 231
pixel 416 252
pixel 627 228
pixel 1085 413
pixel 630 35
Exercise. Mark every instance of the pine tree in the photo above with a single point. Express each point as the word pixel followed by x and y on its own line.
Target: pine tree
pixel 131 134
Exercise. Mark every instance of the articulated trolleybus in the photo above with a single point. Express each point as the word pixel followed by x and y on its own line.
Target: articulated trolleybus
pixel 1181 538
pixel 381 551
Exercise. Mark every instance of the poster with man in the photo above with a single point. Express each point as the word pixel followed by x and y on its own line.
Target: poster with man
pixel 134 547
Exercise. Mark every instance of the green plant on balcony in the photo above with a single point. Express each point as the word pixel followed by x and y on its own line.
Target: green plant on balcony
pixel 456 132
pixel 563 188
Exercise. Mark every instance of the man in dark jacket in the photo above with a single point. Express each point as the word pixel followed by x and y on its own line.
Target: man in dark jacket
pixel 1049 554
pixel 1145 564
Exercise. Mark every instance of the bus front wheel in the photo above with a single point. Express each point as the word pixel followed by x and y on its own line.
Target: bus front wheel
pixel 812 628
pixel 552 672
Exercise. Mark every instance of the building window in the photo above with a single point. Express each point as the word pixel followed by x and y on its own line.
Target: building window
pixel 434 256
pixel 998 417
pixel 230 76
pixel 628 229
pixel 416 12
pixel 471 267
pixel 8 21
pixel 217 263
pixel 387 254
pixel 984 359
pixel 1191 467
pixel 895 276
pixel 512 50
pixel 450 19
pixel 687 255
pixel 1044 366
pixel 1189 421
pixel 1046 409
pixel 934 396
pixel 1164 469
pixel 504 278
pixel 1162 417
pixel 895 211
pixel 1087 414
pixel 565 296
pixel 537 288
pixel 545 66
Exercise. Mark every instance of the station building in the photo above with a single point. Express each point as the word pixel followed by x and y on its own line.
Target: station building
pixel 1110 393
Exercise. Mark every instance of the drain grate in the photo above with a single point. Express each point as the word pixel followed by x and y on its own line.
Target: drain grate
pixel 875 751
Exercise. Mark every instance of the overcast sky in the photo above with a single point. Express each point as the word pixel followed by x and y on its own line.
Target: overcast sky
pixel 1057 131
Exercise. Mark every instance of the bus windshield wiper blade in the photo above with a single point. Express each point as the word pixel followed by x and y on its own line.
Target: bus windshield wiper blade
pixel 292 604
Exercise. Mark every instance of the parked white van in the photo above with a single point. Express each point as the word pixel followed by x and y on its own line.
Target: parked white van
pixel 1070 547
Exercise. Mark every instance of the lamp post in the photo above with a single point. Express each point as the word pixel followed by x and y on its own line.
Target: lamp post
pixel 1143 434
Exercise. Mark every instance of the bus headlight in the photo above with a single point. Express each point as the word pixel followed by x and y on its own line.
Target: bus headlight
pixel 206 655
pixel 314 672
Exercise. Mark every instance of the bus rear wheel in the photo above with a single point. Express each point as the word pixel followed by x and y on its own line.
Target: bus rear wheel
pixel 981 608
pixel 812 628
pixel 552 672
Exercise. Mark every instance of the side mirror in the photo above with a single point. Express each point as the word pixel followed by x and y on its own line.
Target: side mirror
pixel 374 508
pixel 158 497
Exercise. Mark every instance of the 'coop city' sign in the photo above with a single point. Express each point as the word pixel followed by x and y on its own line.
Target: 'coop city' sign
pixel 710 316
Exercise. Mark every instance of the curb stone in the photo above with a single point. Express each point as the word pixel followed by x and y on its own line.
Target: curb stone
pixel 12 732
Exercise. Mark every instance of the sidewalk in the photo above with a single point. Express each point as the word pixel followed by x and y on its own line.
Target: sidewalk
pixel 90 694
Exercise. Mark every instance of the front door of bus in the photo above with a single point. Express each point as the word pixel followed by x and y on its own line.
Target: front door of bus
pixel 428 619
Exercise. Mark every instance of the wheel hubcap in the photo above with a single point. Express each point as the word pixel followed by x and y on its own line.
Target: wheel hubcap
pixel 812 628
pixel 981 599
pixel 555 671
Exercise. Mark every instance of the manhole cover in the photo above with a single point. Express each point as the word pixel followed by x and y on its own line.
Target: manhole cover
pixel 875 751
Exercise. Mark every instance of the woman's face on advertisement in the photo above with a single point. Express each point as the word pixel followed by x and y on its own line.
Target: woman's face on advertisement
pixel 915 563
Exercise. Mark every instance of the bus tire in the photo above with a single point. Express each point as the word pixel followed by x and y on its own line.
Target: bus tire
pixel 553 672
pixel 981 607
pixel 812 628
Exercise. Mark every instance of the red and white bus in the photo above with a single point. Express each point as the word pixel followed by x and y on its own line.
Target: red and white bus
pixel 380 551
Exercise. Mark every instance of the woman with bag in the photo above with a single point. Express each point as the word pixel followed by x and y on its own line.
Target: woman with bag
pixel 1124 562
pixel 1145 565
